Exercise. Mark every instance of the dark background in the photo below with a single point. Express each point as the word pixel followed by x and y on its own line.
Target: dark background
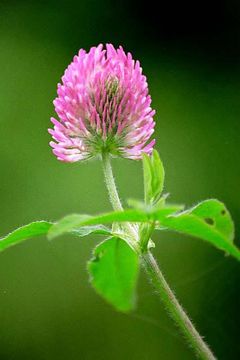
pixel 190 52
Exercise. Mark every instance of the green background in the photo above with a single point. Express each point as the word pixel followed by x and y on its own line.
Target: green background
pixel 47 308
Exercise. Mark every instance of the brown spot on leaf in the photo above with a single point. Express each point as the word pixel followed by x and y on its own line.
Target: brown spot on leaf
pixel 209 221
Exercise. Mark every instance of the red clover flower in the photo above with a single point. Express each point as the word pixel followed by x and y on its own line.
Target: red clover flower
pixel 103 106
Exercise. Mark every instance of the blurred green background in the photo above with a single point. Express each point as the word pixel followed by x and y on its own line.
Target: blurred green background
pixel 190 54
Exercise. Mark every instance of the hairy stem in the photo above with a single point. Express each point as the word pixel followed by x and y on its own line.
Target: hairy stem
pixel 174 309
pixel 166 295
pixel 110 183
pixel 114 197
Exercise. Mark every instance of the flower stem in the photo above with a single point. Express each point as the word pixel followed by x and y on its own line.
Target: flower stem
pixel 110 183
pixel 167 296
pixel 114 197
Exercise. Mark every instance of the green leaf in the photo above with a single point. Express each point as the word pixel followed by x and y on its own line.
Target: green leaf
pixel 74 221
pixel 147 178
pixel 67 224
pixel 70 223
pixel 94 229
pixel 153 173
pixel 38 228
pixel 158 175
pixel 25 232
pixel 210 221
pixel 114 272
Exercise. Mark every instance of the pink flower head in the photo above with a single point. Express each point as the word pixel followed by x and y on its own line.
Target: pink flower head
pixel 103 106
